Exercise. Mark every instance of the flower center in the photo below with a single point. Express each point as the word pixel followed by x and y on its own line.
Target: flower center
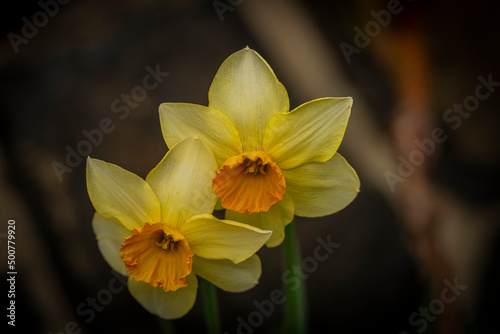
pixel 249 182
pixel 157 255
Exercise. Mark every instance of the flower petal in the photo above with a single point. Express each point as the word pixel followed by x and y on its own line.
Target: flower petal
pixel 167 305
pixel 247 91
pixel 182 181
pixel 120 195
pixel 182 120
pixel 311 132
pixel 229 276
pixel 216 239
pixel 110 235
pixel 278 216
pixel 322 188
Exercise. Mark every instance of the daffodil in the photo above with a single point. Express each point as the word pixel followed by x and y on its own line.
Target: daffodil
pixel 273 163
pixel 160 232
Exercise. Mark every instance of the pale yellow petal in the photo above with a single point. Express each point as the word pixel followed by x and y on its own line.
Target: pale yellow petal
pixel 229 276
pixel 280 215
pixel 110 235
pixel 182 120
pixel 310 133
pixel 182 181
pixel 166 305
pixel 120 195
pixel 215 239
pixel 247 91
pixel 322 188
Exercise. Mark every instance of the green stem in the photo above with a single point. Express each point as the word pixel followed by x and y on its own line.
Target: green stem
pixel 209 298
pixel 294 287
pixel 166 326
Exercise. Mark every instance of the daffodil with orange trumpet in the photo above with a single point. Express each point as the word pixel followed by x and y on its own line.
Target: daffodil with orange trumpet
pixel 272 163
pixel 160 232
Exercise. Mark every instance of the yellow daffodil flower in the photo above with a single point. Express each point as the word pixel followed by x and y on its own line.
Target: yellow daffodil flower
pixel 160 232
pixel 272 162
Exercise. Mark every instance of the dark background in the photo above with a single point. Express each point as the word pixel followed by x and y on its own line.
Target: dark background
pixel 397 247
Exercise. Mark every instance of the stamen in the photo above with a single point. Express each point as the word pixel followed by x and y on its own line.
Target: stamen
pixel 255 167
pixel 166 242
pixel 262 169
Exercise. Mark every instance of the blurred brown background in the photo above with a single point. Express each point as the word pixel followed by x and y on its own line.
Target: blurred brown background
pixel 400 243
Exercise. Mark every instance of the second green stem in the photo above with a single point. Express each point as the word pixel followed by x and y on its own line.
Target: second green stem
pixel 294 287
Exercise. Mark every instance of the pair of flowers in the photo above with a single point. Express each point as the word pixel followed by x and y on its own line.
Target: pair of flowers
pixel 246 153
